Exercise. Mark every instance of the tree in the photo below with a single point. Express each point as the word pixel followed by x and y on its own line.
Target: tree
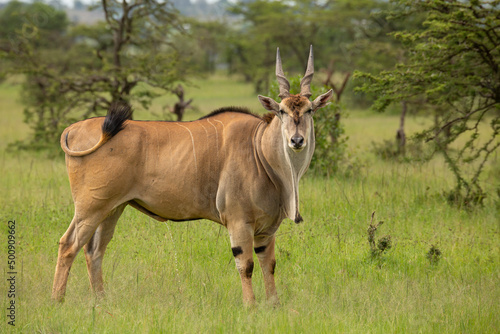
pixel 452 65
pixel 204 47
pixel 349 35
pixel 119 59
pixel 265 25
pixel 180 107
pixel 27 32
pixel 37 22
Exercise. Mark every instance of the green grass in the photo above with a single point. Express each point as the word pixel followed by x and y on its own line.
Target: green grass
pixel 180 277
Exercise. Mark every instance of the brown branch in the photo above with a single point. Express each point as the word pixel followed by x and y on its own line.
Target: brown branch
pixel 106 12
pixel 180 107
pixel 329 73
pixel 465 117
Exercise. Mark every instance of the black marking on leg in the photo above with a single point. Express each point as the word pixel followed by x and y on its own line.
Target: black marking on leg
pixel 259 249
pixel 237 251
pixel 273 265
pixel 249 269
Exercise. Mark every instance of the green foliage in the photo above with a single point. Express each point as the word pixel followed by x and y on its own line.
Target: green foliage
pixel 38 22
pixel 90 67
pixel 31 39
pixel 413 151
pixel 204 46
pixel 452 65
pixel 346 35
pixel 331 143
pixel 265 25
pixel 434 255
pixel 377 247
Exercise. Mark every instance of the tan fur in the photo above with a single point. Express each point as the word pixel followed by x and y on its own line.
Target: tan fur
pixel 233 168
pixel 229 168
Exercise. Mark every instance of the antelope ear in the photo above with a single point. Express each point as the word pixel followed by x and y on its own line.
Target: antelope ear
pixel 269 104
pixel 322 100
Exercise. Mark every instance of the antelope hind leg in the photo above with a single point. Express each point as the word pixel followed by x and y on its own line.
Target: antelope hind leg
pixel 80 230
pixel 96 247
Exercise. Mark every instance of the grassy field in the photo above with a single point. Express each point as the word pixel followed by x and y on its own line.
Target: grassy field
pixel 180 277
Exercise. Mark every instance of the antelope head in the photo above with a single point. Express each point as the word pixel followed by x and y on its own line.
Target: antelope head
pixel 296 111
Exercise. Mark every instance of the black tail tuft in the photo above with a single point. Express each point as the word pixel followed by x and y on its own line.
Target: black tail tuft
pixel 118 113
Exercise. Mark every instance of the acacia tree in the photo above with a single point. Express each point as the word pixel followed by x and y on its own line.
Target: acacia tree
pixel 97 65
pixel 452 65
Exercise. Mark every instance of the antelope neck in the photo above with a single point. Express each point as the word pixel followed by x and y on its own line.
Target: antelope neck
pixel 283 166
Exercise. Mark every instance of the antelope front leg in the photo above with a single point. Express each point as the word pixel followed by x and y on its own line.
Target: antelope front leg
pixel 264 248
pixel 241 245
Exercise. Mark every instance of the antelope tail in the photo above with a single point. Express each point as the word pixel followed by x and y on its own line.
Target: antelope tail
pixel 117 114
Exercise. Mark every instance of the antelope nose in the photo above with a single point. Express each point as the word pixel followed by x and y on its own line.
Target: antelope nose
pixel 297 141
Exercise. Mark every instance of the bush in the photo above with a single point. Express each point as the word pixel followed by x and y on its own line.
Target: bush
pixel 413 151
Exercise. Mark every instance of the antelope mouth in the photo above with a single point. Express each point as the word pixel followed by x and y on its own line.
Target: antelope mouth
pixel 297 148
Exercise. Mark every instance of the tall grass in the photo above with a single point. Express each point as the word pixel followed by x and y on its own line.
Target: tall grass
pixel 180 277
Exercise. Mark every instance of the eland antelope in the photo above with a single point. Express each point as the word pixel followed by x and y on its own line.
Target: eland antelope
pixel 231 166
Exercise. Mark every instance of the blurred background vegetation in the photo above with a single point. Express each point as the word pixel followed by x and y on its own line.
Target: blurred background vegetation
pixel 436 58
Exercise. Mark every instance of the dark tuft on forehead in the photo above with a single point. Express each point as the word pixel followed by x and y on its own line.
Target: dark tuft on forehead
pixel 296 102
